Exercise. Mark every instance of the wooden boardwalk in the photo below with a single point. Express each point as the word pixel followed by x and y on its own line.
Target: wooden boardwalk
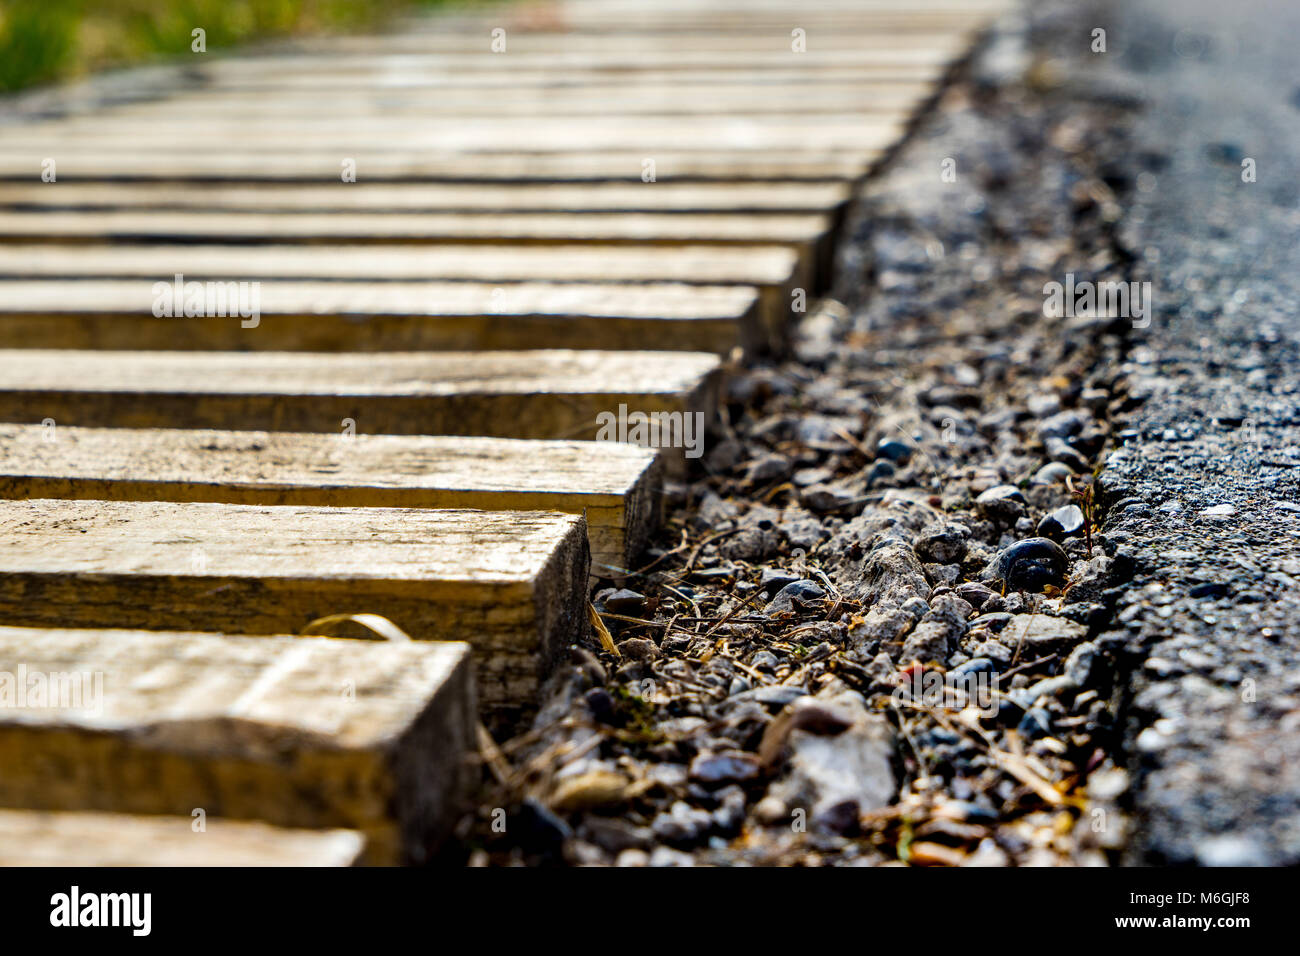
pixel 296 337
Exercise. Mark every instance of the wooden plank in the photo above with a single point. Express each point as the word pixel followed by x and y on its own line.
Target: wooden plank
pixel 780 73
pixel 877 55
pixel 386 316
pixel 804 197
pixel 775 271
pixel 518 134
pixel 862 34
pixel 513 584
pixel 178 162
pixel 166 723
pixel 708 265
pixel 596 98
pixel 38 838
pixel 454 46
pixel 795 229
pixel 627 14
pixel 552 394
pixel 617 486
pixel 701 17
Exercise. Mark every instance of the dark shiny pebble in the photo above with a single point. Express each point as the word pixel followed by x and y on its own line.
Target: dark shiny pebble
pixel 976 665
pixel 796 593
pixel 624 601
pixel 773 580
pixel 894 450
pixel 1061 523
pixel 881 470
pixel 1210 589
pixel 1031 564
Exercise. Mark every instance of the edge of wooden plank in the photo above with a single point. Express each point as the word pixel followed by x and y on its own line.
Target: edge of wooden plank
pixel 122 741
pixel 71 838
pixel 315 470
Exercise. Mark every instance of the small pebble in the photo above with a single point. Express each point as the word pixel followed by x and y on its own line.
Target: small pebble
pixel 1061 523
pixel 894 450
pixel 1031 564
pixel 624 601
pixel 1001 503
pixel 881 470
pixel 1053 473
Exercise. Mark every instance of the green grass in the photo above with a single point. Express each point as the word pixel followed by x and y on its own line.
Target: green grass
pixel 42 41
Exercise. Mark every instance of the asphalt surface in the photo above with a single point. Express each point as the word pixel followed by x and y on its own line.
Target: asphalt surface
pixel 1204 488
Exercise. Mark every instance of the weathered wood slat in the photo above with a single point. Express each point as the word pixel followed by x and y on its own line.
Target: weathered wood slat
pixel 805 231
pixel 914 69
pixel 749 265
pixel 485 126
pixel 513 584
pixel 878 54
pixel 775 271
pixel 539 394
pixel 518 135
pixel 37 838
pixel 569 14
pixel 167 723
pixel 363 317
pixel 721 99
pixel 617 486
pixel 816 197
pixel 577 37
pixel 176 161
pixel 777 80
pixel 399 51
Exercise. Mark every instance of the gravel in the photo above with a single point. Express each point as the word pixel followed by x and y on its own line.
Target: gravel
pixel 880 625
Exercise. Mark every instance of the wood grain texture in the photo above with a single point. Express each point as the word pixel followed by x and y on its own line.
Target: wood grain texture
pixel 261 227
pixel 859 34
pixel 288 315
pixel 513 584
pixel 872 49
pixel 616 486
pixel 37 838
pixel 164 723
pixel 437 197
pixel 666 272
pixel 542 394
pixel 599 97
pixel 908 67
pixel 22 164
pixel 518 134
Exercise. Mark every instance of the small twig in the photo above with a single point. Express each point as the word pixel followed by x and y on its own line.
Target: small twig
pixel 492 756
pixel 1026 666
